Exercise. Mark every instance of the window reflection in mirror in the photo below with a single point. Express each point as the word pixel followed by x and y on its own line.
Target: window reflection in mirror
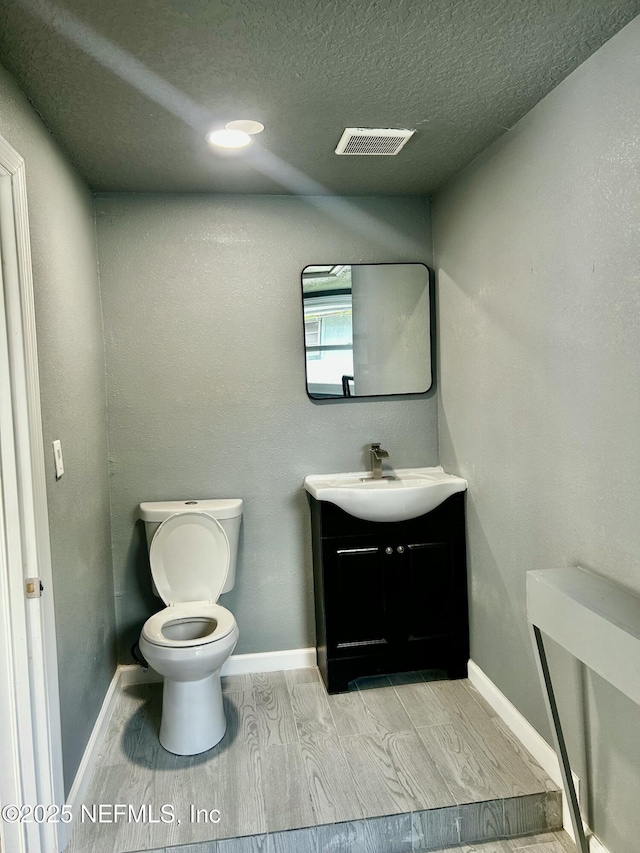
pixel 328 329
pixel 366 329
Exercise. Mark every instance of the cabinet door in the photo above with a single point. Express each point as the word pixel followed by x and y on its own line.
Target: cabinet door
pixel 357 609
pixel 430 590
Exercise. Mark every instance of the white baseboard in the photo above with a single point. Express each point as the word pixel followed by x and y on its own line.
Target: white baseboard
pixel 270 661
pixel 134 674
pixel 236 665
pixel 90 755
pixel 532 741
pixel 519 725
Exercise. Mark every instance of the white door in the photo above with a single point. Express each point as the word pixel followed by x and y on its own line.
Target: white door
pixel 30 741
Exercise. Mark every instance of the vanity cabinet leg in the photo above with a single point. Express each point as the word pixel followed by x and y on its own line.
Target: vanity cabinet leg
pixel 337 684
pixel 457 669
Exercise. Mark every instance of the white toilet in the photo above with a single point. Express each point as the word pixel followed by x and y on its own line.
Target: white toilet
pixel 193 548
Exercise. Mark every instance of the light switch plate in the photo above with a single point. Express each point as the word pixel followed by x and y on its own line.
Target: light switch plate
pixel 57 455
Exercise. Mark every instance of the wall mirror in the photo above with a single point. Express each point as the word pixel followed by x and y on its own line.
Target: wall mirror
pixel 367 329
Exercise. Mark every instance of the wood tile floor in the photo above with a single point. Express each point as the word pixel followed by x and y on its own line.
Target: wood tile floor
pixel 550 842
pixel 398 764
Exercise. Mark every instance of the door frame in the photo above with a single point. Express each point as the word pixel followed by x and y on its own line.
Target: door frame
pixel 30 731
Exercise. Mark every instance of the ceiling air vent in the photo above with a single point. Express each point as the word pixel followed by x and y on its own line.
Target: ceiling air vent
pixel 373 140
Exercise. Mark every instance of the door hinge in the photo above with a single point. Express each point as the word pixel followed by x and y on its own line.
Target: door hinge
pixel 34 587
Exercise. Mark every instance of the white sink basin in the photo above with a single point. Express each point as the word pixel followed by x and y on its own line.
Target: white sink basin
pixel 410 493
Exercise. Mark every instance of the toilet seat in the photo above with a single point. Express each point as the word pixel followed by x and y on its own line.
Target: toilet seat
pixel 189 558
pixel 191 610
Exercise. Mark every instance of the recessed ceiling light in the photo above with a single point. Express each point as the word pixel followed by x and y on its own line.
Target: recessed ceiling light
pixel 229 138
pixel 246 125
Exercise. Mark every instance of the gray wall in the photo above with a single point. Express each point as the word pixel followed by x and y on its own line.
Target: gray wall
pixel 206 383
pixel 539 306
pixel 71 361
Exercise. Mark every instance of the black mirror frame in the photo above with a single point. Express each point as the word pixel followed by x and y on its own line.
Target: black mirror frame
pixel 432 344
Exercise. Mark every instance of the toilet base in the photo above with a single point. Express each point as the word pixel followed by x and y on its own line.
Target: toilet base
pixel 193 718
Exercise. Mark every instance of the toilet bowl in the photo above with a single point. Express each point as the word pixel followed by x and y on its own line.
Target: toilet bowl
pixel 192 552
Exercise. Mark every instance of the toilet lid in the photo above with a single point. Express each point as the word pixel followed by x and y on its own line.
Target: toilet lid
pixel 189 558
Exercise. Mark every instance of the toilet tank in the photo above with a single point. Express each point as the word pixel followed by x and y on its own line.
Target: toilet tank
pixel 227 511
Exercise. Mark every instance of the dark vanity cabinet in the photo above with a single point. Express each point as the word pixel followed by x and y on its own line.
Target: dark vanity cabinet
pixel 389 596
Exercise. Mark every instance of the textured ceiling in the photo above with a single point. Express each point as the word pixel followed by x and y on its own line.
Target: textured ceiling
pixel 130 87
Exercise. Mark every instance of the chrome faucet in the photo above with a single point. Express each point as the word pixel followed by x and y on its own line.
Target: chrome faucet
pixel 377 455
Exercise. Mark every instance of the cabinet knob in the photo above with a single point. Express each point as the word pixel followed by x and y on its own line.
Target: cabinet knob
pixel 388 550
pixel 400 549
